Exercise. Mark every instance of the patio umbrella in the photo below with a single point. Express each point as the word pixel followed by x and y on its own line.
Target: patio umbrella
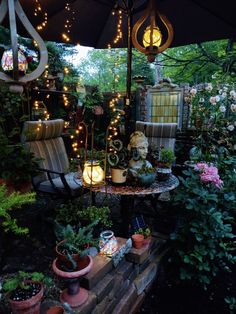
pixel 94 25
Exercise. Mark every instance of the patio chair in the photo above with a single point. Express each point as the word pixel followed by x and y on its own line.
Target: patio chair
pixel 45 141
pixel 159 134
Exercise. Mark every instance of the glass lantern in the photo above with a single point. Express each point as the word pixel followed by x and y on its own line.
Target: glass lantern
pixel 108 244
pixel 7 61
pixel 156 37
pixel 93 174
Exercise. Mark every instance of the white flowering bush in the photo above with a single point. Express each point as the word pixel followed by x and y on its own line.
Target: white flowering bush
pixel 213 115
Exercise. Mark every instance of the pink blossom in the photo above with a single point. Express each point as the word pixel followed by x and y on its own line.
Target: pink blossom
pixel 202 166
pixel 209 174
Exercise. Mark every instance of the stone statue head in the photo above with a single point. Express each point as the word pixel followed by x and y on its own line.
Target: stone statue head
pixel 139 141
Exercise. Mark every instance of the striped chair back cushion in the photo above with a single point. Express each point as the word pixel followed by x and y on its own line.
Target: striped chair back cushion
pixel 47 144
pixel 36 131
pixel 159 134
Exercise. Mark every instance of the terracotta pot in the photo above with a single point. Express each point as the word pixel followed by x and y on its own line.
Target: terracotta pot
pixel 30 306
pixel 57 309
pixel 74 295
pixel 62 257
pixel 137 240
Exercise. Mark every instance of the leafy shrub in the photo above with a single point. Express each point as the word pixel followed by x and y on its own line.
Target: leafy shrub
pixel 203 244
pixel 93 213
pixel 9 202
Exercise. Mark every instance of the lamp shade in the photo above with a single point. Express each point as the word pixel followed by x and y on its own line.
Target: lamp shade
pixel 7 61
pixel 152 37
pixel 93 174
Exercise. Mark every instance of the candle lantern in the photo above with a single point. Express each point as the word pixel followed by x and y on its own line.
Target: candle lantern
pixel 7 61
pixel 108 244
pixel 93 174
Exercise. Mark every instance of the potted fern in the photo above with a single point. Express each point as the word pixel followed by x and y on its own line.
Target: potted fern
pixel 25 291
pixel 74 245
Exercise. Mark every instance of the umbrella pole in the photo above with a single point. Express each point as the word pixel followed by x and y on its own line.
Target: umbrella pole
pixel 128 111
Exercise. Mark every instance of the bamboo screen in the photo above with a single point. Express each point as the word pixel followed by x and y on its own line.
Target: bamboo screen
pixel 165 107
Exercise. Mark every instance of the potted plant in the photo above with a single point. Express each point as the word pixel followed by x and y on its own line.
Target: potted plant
pixel 146 232
pixel 146 175
pixel 137 240
pixel 118 161
pixel 25 291
pixel 74 245
pixel 166 159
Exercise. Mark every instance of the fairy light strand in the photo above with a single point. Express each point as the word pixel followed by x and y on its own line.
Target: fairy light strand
pixel 70 18
pixel 39 11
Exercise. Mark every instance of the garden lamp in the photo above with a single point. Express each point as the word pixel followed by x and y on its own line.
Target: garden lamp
pixel 13 60
pixel 152 38
pixel 93 174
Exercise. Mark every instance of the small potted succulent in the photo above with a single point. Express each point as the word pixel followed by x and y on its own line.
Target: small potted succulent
pixel 166 159
pixel 146 175
pixel 118 161
pixel 25 291
pixel 146 232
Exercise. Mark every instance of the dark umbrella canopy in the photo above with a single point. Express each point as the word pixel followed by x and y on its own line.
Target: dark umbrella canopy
pixel 193 21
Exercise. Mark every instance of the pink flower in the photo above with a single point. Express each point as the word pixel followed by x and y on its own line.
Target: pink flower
pixel 202 166
pixel 209 174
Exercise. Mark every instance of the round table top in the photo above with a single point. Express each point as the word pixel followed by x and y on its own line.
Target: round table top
pixel 157 187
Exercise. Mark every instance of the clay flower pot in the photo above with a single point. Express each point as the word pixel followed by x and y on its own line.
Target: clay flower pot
pixel 137 240
pixel 57 309
pixel 62 257
pixel 30 306
pixel 74 295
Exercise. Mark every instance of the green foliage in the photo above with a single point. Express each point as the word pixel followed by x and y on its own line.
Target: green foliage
pixel 93 213
pixel 9 202
pixel 20 278
pixel 199 62
pixel 146 232
pixel 145 169
pixel 231 302
pixel 68 212
pixel 101 66
pixel 204 242
pixel 167 157
pixel 76 242
pixel 118 155
pixel 17 164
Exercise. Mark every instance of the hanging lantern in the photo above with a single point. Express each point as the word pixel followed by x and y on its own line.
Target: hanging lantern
pixel 152 39
pixel 14 60
pixel 93 175
pixel 7 61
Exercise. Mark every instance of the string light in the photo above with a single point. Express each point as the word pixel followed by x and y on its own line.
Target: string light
pixel 38 11
pixel 119 33
pixel 40 110
pixel 68 22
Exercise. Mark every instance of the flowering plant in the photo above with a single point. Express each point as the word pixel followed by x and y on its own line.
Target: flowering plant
pixel 213 115
pixel 209 174
pixel 203 242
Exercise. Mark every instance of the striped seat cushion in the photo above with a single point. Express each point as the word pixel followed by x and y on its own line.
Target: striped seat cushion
pixel 159 134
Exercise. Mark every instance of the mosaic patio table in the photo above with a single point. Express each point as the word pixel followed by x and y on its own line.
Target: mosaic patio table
pixel 128 195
